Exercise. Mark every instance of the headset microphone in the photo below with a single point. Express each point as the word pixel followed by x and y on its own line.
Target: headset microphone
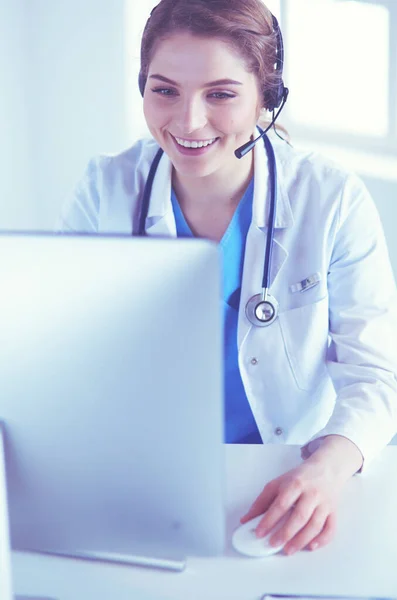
pixel 245 148
pixel 276 95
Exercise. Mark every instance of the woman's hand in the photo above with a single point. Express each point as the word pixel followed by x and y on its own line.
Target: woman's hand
pixel 311 492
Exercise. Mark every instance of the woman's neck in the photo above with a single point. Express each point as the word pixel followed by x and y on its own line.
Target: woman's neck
pixel 208 203
pixel 219 190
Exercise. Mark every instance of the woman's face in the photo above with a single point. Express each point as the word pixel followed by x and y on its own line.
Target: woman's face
pixel 200 103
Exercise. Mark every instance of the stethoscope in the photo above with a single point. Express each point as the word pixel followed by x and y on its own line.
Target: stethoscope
pixel 262 309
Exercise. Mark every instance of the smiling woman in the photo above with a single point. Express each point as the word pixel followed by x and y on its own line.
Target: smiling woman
pixel 194 112
pixel 320 371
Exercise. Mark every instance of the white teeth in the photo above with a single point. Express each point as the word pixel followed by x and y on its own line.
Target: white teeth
pixel 187 144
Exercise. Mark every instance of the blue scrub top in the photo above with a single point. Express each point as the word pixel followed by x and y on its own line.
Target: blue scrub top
pixel 240 426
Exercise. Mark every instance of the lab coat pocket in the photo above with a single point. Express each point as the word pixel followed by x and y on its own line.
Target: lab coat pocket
pixel 305 334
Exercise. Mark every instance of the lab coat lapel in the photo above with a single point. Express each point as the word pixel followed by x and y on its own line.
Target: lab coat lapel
pixel 160 220
pixel 256 238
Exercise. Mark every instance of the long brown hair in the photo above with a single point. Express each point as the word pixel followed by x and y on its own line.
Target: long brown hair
pixel 245 24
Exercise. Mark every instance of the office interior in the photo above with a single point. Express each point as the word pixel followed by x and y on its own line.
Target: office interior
pixel 68 81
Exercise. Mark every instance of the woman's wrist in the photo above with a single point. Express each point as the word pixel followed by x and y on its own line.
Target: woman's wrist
pixel 338 455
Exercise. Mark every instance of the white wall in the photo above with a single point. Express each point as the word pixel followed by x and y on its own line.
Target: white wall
pixel 16 210
pixel 63 99
pixel 76 92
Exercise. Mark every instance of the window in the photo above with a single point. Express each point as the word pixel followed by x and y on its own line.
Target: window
pixel 338 65
pixel 275 7
pixel 341 68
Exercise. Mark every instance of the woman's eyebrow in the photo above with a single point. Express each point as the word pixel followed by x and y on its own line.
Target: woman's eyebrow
pixel 209 84
pixel 223 82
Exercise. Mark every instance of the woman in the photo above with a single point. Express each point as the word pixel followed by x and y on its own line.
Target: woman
pixel 323 374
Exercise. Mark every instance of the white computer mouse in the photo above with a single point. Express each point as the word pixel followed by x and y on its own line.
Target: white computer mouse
pixel 245 540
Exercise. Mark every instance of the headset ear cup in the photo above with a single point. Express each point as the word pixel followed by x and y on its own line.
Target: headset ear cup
pixel 272 98
pixel 141 83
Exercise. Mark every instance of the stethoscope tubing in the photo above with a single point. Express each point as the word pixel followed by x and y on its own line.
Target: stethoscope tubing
pixel 147 193
pixel 272 212
pixel 260 300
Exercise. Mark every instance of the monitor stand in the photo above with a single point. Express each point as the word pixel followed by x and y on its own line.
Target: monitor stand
pixel 136 560
pixel 33 598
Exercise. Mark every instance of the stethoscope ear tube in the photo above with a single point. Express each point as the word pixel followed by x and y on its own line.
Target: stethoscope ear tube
pixel 147 193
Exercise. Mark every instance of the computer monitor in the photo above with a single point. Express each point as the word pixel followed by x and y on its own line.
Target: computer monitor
pixel 5 554
pixel 6 584
pixel 111 395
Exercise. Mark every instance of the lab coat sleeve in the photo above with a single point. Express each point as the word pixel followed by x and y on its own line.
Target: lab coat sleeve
pixel 362 355
pixel 80 212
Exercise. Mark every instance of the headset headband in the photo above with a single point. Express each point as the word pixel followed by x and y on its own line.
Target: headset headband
pixel 274 96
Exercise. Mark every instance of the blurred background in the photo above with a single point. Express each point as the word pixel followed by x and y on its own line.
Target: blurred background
pixel 68 91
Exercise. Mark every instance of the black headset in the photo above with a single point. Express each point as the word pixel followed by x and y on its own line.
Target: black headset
pixel 275 95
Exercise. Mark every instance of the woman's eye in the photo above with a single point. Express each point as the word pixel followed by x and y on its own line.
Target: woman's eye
pixel 164 91
pixel 222 95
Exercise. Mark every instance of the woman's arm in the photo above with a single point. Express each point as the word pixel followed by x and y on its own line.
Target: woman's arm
pixel 311 491
pixel 362 361
pixel 362 355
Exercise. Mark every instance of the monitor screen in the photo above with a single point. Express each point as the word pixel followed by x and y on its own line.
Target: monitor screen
pixel 111 371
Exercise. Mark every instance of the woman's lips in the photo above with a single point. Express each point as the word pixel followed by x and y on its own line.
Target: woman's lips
pixel 193 151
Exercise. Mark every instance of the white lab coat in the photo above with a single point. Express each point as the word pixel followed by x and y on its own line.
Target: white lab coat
pixel 328 364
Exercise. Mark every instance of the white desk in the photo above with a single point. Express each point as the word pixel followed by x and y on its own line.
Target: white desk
pixel 362 560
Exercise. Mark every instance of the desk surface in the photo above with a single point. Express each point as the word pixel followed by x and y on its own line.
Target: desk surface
pixel 362 559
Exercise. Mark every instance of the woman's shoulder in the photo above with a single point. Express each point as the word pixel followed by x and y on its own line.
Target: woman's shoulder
pixel 315 182
pixel 110 185
pixel 131 160
pixel 295 158
pixel 301 168
pixel 297 161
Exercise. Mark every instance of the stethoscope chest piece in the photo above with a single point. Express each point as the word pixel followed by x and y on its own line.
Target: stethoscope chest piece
pixel 261 312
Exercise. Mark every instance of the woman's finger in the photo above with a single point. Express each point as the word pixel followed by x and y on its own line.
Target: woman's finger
pixel 300 515
pixel 309 533
pixel 286 500
pixel 262 502
pixel 326 535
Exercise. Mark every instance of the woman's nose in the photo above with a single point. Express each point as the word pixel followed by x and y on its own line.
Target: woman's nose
pixel 192 116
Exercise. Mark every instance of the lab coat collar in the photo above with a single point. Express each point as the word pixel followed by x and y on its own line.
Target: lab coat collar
pixel 160 220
